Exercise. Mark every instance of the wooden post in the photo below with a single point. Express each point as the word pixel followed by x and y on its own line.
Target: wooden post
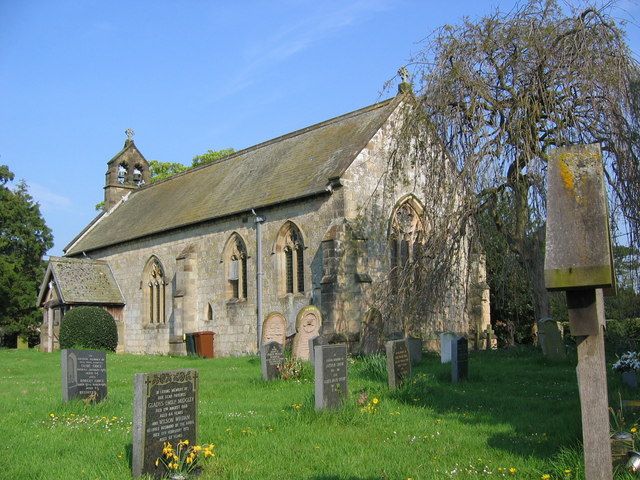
pixel 579 261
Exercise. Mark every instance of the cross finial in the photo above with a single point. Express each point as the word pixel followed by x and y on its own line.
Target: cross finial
pixel 130 133
pixel 404 74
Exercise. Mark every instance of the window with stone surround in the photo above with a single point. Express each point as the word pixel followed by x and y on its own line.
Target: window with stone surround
pixel 154 286
pixel 122 173
pixel 235 267
pixel 406 237
pixel 290 259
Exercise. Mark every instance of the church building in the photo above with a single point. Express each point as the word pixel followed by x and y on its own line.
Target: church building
pixel 271 228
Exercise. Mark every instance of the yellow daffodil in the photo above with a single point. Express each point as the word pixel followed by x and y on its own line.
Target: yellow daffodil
pixel 197 448
pixel 546 476
pixel 512 470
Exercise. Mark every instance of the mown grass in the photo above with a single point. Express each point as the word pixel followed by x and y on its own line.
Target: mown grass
pixel 517 411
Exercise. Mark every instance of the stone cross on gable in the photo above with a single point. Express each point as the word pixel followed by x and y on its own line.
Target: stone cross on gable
pixel 404 74
pixel 130 133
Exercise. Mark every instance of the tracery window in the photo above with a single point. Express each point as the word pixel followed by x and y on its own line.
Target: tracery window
pixel 235 259
pixel 154 285
pixel 290 249
pixel 406 237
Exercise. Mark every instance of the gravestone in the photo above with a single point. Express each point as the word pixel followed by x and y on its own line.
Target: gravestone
pixel 398 362
pixel 415 349
pixel 165 409
pixel 459 359
pixel 308 323
pixel 550 335
pixel 445 346
pixel 272 359
pixel 274 329
pixel 313 343
pixel 331 375
pixel 84 375
pixel 372 337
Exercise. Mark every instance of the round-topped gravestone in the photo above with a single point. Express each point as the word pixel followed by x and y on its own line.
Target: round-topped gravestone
pixel 274 329
pixel 308 323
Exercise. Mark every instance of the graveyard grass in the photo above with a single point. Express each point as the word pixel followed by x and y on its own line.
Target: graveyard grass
pixel 516 417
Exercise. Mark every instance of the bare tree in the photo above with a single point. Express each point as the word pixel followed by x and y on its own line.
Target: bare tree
pixel 503 90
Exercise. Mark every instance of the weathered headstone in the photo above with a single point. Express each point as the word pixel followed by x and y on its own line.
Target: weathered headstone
pixel 308 323
pixel 372 336
pixel 84 375
pixel 398 362
pixel 445 346
pixel 274 329
pixel 490 337
pixel 331 375
pixel 550 335
pixel 459 359
pixel 272 359
pixel 415 349
pixel 313 343
pixel 165 409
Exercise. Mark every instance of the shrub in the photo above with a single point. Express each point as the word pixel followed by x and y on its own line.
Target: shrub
pixel 623 335
pixel 89 327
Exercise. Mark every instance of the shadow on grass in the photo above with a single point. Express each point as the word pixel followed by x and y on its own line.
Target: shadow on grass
pixel 537 400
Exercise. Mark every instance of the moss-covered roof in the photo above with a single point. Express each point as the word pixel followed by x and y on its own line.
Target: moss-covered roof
pixel 293 166
pixel 81 281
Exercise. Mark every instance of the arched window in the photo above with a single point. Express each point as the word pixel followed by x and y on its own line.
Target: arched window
pixel 154 285
pixel 290 251
pixel 406 237
pixel 235 260
pixel 209 313
pixel 122 173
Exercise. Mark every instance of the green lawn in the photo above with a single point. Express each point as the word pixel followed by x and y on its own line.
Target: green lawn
pixel 517 411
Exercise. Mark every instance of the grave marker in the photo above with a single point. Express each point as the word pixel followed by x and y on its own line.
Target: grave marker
pixel 331 375
pixel 165 409
pixel 550 335
pixel 398 362
pixel 459 359
pixel 274 329
pixel 308 323
pixel 84 375
pixel 445 346
pixel 313 343
pixel 272 359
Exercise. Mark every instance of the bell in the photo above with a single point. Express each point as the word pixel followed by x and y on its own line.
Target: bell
pixel 633 465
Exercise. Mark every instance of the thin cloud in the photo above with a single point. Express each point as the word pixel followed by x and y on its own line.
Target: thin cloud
pixel 287 42
pixel 47 199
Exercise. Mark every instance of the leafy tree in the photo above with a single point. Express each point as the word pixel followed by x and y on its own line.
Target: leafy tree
pixel 211 156
pixel 163 170
pixel 24 239
pixel 501 92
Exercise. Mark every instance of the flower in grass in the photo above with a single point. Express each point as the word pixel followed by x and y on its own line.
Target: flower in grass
pixel 512 470
pixel 546 476
pixel 634 429
pixel 375 401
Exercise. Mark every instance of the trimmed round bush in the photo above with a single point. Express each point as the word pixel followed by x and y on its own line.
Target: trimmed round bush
pixel 88 327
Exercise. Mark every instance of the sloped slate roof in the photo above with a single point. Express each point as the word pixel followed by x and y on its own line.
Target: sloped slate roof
pixel 293 166
pixel 82 281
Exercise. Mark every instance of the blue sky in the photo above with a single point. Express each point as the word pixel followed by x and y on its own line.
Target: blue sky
pixel 189 76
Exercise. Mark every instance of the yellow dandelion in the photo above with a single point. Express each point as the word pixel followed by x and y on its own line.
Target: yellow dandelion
pixel 546 476
pixel 634 429
pixel 375 401
pixel 512 470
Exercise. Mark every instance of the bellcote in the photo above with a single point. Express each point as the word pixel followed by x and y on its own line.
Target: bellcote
pixel 126 171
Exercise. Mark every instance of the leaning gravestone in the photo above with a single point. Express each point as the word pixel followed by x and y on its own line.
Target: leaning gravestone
pixel 398 362
pixel 274 329
pixel 331 375
pixel 308 323
pixel 550 334
pixel 272 359
pixel 165 409
pixel 445 346
pixel 459 359
pixel 84 375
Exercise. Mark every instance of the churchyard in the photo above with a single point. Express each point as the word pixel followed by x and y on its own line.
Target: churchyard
pixel 517 415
